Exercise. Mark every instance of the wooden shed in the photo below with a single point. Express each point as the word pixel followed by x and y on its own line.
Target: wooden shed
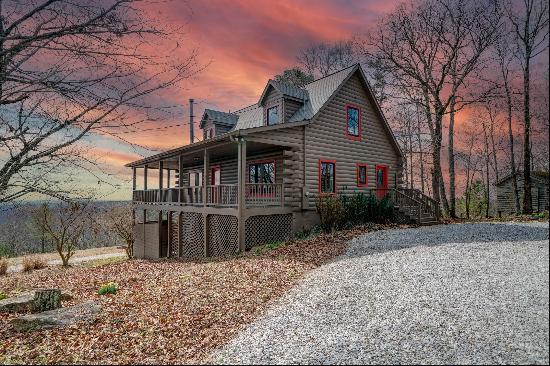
pixel 505 193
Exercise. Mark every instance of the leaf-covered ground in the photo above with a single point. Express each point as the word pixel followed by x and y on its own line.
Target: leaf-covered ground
pixel 165 311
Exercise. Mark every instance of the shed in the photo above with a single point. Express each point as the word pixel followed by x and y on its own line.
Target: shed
pixel 505 192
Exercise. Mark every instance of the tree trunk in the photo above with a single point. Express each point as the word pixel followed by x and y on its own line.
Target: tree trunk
pixel 48 299
pixel 439 184
pixel 527 204
pixel 511 142
pixel 451 152
pixel 421 156
pixel 409 132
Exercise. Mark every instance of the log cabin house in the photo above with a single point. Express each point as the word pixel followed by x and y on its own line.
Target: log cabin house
pixel 254 177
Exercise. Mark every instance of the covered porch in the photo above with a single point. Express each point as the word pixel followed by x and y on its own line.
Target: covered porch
pixel 213 198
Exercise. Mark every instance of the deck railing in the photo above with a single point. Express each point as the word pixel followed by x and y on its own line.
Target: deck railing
pixel 264 194
pixel 191 195
pixel 222 195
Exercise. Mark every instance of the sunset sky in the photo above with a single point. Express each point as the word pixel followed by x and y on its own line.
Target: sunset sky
pixel 240 44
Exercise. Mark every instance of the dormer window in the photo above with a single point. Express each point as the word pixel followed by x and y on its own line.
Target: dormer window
pixel 273 116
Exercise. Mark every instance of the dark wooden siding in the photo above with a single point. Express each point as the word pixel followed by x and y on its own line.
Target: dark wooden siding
pixel 505 196
pixel 326 138
pixel 290 107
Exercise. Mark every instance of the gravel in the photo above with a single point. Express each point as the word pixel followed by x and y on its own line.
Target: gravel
pixel 464 293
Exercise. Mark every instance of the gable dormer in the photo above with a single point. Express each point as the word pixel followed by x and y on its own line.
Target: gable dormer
pixel 215 123
pixel 280 101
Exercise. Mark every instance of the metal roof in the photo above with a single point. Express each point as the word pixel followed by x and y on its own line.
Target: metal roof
pixel 225 118
pixel 314 94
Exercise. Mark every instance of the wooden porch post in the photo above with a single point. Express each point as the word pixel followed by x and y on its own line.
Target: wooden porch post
pixel 133 178
pixel 180 176
pixel 145 178
pixel 205 175
pixel 241 194
pixel 161 168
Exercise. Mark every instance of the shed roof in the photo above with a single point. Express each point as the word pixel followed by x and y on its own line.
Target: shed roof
pixel 537 176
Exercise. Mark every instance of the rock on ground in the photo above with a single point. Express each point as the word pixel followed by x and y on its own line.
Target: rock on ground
pixel 23 302
pixel 61 317
pixel 447 294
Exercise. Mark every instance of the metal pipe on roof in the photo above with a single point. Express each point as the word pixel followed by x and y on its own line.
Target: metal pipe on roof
pixel 191 127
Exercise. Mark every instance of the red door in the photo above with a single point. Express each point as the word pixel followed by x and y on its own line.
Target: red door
pixel 381 180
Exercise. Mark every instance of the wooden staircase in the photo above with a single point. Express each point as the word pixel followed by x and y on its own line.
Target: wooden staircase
pixel 414 205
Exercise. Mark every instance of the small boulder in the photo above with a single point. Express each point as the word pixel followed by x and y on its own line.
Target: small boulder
pixel 23 302
pixel 61 317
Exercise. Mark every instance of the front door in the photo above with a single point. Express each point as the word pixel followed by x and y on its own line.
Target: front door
pixel 381 180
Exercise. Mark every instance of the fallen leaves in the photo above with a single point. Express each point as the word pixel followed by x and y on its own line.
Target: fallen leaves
pixel 166 311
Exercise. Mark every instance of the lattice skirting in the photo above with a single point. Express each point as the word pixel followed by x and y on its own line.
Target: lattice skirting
pixel 173 239
pixel 266 229
pixel 192 235
pixel 222 235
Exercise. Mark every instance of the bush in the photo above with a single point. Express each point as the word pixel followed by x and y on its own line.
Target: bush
pixel 32 263
pixel 4 251
pixel 331 212
pixel 108 288
pixel 3 266
pixel 3 295
pixel 349 210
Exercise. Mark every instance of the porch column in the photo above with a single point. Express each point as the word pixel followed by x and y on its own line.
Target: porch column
pixel 161 168
pixel 180 176
pixel 168 178
pixel 241 192
pixel 205 175
pixel 145 178
pixel 133 178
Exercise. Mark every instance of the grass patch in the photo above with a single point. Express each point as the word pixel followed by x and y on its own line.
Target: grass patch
pixel 103 262
pixel 262 249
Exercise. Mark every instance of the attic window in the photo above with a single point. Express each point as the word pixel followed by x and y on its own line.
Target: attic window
pixel 273 116
pixel 353 122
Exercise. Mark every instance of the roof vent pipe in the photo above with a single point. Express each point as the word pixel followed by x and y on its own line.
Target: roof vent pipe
pixel 191 125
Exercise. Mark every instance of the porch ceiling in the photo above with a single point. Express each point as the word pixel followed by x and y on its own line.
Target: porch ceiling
pixel 219 151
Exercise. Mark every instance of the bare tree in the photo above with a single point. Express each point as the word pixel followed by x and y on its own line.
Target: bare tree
pixel 121 225
pixel 505 59
pixel 64 225
pixel 470 161
pixel 431 48
pixel 323 59
pixel 530 25
pixel 69 69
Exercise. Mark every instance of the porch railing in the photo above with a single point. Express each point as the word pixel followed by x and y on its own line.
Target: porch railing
pixel 264 194
pixel 179 195
pixel 223 195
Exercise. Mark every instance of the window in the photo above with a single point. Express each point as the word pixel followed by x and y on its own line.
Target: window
pixel 273 116
pixel 327 176
pixel 261 172
pixel 210 133
pixel 362 175
pixel 353 129
pixel 195 179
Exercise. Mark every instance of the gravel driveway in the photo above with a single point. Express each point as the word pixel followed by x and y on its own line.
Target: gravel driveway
pixel 464 293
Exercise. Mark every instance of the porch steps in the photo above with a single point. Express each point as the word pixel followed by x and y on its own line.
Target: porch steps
pixel 429 214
